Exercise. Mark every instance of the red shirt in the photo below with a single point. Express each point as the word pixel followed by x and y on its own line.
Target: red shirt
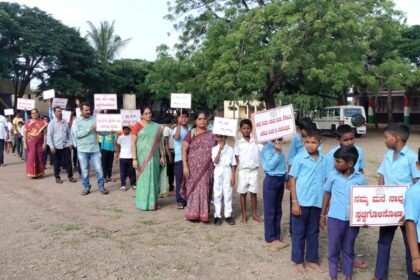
pixel 136 128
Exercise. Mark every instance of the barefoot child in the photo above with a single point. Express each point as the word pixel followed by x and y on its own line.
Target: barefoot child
pixel 248 158
pixel 398 168
pixel 224 179
pixel 274 166
pixel 125 157
pixel 412 227
pixel 341 237
pixel 306 181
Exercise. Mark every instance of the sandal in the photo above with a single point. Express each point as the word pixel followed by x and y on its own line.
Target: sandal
pixel 104 191
pixel 85 192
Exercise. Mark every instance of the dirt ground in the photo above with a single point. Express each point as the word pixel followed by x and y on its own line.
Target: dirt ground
pixel 50 231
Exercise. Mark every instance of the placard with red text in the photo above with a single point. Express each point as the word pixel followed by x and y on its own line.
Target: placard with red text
pixel 108 122
pixel 377 205
pixel 274 124
pixel 105 101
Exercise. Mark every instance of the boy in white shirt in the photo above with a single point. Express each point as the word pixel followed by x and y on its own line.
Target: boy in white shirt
pixel 224 179
pixel 247 155
pixel 123 151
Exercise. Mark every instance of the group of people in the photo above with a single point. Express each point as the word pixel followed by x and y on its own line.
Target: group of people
pixel 205 168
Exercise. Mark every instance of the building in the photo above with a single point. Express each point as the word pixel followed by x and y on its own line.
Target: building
pixel 241 109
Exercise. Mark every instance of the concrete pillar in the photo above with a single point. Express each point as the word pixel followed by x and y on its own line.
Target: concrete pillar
pixel 129 101
pixel 371 115
pixel 406 111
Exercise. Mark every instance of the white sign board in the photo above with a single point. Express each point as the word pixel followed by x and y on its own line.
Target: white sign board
pixel 274 124
pixel 59 102
pixel 227 127
pixel 105 101
pixel 66 115
pixel 130 117
pixel 48 94
pixel 180 100
pixel 25 104
pixel 78 112
pixel 377 205
pixel 108 122
pixel 8 112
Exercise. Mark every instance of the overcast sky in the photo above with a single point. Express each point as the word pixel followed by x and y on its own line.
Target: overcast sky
pixel 142 20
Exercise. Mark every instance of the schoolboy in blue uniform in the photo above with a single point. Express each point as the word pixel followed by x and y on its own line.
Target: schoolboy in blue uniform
pixel 306 181
pixel 345 136
pixel 336 203
pixel 397 169
pixel 274 166
pixel 412 227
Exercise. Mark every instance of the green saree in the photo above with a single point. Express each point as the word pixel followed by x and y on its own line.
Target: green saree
pixel 148 157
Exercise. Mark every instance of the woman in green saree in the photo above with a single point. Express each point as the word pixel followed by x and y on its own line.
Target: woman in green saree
pixel 148 157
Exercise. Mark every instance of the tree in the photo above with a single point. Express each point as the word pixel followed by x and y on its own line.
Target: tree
pixel 409 45
pixel 106 43
pixel 31 43
pixel 263 48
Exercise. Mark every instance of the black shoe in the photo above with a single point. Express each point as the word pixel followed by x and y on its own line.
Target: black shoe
pixel 230 221
pixel 58 181
pixel 217 221
pixel 71 179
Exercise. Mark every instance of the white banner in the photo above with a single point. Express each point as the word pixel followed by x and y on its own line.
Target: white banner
pixel 66 115
pixel 8 112
pixel 59 102
pixel 227 127
pixel 274 124
pixel 105 101
pixel 180 100
pixel 25 104
pixel 48 94
pixel 377 205
pixel 130 117
pixel 108 122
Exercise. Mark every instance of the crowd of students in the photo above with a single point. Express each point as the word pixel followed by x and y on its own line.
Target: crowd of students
pixel 204 168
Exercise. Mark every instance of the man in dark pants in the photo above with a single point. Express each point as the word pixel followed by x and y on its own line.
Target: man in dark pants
pixel 179 133
pixel 3 131
pixel 59 141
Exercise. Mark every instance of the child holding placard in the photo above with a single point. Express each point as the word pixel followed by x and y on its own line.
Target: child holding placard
pixel 224 179
pixel 412 226
pixel 336 203
pixel 247 156
pixel 397 169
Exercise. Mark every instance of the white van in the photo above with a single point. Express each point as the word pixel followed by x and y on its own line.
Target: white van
pixel 332 117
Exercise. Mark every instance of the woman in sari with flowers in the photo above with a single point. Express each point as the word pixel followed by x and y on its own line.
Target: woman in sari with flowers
pixel 148 156
pixel 198 169
pixel 35 143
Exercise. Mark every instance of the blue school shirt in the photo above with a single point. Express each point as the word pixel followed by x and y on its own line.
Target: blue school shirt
pixel 310 179
pixel 273 164
pixel 402 170
pixel 295 147
pixel 178 143
pixel 108 141
pixel 412 206
pixel 340 188
pixel 360 164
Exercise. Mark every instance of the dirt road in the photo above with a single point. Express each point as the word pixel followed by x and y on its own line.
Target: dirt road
pixel 50 231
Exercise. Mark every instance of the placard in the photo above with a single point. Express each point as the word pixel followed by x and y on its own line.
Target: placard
pixel 59 102
pixel 180 100
pixel 105 101
pixel 108 122
pixel 66 115
pixel 25 104
pixel 227 127
pixel 274 124
pixel 130 117
pixel 78 112
pixel 48 94
pixel 377 205
pixel 8 112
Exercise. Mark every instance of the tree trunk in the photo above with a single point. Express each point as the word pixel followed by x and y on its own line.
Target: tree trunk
pixel 269 100
pixel 389 106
